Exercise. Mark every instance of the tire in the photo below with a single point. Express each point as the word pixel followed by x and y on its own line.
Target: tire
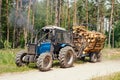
pixel 66 57
pixel 93 57
pixel 99 57
pixel 19 58
pixel 44 62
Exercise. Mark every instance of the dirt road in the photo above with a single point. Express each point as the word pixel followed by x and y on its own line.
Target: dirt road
pixel 78 72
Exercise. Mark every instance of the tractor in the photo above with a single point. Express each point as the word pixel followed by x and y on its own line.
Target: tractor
pixel 54 43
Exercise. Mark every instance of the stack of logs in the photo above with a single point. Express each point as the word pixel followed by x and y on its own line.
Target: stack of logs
pixel 91 41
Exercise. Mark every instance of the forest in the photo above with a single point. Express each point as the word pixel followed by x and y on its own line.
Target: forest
pixel 20 20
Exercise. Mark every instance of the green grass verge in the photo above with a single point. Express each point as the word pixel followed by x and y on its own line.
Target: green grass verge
pixel 115 76
pixel 110 54
pixel 7 61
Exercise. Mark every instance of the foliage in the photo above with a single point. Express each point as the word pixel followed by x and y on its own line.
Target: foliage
pixel 110 54
pixel 81 11
pixel 7 44
pixel 117 34
pixel 1 43
pixel 39 11
pixel 40 15
pixel 7 61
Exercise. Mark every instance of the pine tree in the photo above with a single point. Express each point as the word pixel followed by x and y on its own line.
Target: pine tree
pixel 111 23
pixel 0 19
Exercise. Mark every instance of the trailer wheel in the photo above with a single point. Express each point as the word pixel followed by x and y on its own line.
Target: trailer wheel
pixel 19 59
pixel 99 57
pixel 93 57
pixel 66 57
pixel 44 62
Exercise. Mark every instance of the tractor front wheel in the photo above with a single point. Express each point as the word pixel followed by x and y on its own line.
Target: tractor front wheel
pixel 44 62
pixel 19 58
pixel 66 57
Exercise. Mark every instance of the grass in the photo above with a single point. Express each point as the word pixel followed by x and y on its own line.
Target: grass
pixel 115 76
pixel 110 54
pixel 7 61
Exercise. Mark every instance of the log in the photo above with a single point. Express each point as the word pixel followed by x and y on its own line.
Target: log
pixel 95 40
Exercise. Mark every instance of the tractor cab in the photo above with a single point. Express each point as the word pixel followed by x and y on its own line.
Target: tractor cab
pixel 51 39
pixel 55 34
pixel 58 37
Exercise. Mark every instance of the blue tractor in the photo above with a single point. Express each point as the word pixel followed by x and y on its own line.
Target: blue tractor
pixel 54 43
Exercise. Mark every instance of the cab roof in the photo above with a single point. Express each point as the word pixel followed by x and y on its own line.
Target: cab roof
pixel 54 27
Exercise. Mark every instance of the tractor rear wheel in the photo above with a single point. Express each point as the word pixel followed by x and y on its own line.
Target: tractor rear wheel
pixel 19 58
pixel 44 62
pixel 66 57
pixel 93 57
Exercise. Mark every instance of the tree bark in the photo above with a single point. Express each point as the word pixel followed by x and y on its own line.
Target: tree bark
pixel 111 20
pixel 26 30
pixel 47 12
pixel 56 13
pixel 75 14
pixel 113 38
pixel 68 14
pixel 60 9
pixel 14 30
pixel 98 13
pixel 86 1
pixel 33 19
pixel 51 11
pixel 63 15
pixel 0 19
pixel 102 24
pixel 7 22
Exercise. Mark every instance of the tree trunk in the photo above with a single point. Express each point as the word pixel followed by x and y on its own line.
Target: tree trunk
pixel 56 12
pixel 28 16
pixel 57 9
pixel 47 12
pixel 21 16
pixel 63 15
pixel 0 19
pixel 113 38
pixel 75 14
pixel 111 20
pixel 68 14
pixel 26 30
pixel 60 7
pixel 14 30
pixel 7 22
pixel 33 19
pixel 101 16
pixel 98 13
pixel 102 25
pixel 51 12
pixel 86 1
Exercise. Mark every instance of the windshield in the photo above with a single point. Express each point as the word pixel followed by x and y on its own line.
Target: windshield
pixel 45 35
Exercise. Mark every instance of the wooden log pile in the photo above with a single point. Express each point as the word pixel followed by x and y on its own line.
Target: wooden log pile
pixel 91 40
